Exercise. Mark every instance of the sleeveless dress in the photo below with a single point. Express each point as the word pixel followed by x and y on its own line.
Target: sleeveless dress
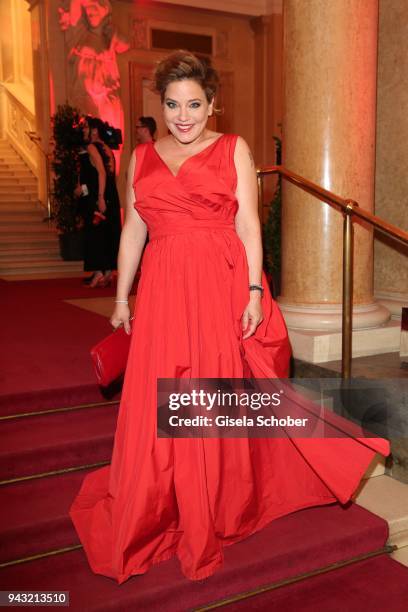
pixel 192 497
pixel 101 242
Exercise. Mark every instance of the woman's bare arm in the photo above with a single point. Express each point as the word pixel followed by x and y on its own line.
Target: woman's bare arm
pixel 248 228
pixel 132 241
pixel 97 161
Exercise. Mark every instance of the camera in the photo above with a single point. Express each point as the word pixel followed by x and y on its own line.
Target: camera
pixel 112 136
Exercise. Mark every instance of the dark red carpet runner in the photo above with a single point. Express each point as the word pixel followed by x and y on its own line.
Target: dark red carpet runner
pixel 50 368
pixel 291 545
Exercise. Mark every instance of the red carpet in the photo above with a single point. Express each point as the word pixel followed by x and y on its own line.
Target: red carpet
pixel 297 543
pixel 46 364
pixel 375 585
pixel 45 359
pixel 38 444
pixel 43 523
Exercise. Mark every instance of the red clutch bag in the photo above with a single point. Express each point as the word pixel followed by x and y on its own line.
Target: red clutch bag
pixel 110 356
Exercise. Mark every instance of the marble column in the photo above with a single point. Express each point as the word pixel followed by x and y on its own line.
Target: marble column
pixel 390 257
pixel 330 60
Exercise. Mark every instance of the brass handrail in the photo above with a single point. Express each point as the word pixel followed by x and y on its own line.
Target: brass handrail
pixel 349 207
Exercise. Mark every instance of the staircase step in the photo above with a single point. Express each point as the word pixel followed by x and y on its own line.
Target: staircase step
pixel 17 185
pixel 301 542
pixel 55 399
pixel 28 183
pixel 9 154
pixel 25 230
pixel 376 468
pixel 24 196
pixel 43 524
pixel 5 170
pixel 35 240
pixel 40 266
pixel 8 173
pixel 353 588
pixel 17 217
pixel 29 254
pixel 44 262
pixel 17 190
pixel 39 444
pixel 387 498
pixel 15 167
pixel 401 555
pixel 17 207
pixel 11 160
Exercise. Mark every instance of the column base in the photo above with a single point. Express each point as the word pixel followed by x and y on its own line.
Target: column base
pixel 315 346
pixel 393 301
pixel 328 317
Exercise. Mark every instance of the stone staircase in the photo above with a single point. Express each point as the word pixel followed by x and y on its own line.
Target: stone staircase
pixel 28 244
pixel 387 498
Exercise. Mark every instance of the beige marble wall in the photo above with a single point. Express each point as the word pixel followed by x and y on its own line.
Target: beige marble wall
pixel 391 201
pixel 16 80
pixel 329 136
pixel 6 41
pixel 16 61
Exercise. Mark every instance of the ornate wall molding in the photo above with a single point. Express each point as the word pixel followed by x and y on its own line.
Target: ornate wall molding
pixel 139 36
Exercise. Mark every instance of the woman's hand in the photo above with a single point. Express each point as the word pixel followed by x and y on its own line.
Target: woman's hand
pixel 102 204
pixel 253 315
pixel 121 316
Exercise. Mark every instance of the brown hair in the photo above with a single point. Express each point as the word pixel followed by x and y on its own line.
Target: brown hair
pixel 183 65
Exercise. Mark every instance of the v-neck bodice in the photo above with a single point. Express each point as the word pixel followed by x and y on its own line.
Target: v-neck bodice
pixel 206 149
pixel 201 195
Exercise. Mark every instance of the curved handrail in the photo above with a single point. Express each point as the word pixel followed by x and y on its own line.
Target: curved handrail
pixel 349 207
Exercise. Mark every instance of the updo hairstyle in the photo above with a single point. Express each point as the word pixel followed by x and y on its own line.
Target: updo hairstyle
pixel 183 65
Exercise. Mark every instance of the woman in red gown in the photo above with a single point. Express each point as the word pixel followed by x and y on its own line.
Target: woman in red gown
pixel 195 193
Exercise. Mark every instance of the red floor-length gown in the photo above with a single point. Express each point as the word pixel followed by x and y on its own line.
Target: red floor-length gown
pixel 191 497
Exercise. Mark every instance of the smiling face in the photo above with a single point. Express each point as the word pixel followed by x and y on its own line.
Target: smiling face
pixel 186 110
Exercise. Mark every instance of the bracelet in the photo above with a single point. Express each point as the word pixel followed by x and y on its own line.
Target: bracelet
pixel 257 288
pixel 121 302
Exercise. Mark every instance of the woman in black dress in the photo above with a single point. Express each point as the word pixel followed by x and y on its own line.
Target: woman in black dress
pixel 100 210
pixel 112 225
